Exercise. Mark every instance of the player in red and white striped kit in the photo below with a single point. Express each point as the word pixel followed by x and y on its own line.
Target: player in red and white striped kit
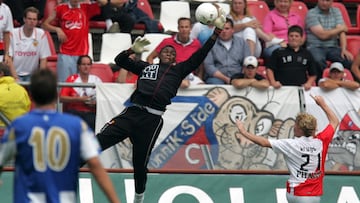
pixel 304 155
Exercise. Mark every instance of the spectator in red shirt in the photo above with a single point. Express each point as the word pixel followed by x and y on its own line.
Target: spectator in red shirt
pixel 184 45
pixel 73 18
pixel 81 101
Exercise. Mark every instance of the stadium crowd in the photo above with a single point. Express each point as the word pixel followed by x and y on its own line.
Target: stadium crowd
pixel 283 47
pixel 291 47
pixel 324 34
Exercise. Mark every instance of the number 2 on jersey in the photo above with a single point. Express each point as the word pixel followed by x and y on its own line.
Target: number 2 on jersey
pixel 307 157
pixel 51 150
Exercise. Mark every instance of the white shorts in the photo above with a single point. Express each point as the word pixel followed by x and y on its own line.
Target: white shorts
pixel 301 199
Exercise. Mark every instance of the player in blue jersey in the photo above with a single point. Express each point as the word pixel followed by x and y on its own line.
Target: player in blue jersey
pixel 48 146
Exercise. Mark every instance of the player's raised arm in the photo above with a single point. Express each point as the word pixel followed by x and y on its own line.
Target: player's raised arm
pixel 262 141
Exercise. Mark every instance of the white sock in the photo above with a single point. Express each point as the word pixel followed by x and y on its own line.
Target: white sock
pixel 139 198
pixel 108 23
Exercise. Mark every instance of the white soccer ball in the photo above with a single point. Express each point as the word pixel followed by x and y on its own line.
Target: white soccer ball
pixel 206 13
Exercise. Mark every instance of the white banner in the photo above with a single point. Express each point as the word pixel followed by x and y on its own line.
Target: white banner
pixel 344 151
pixel 199 130
pixel 199 126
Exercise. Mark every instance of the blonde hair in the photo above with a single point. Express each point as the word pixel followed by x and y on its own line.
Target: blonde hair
pixel 307 123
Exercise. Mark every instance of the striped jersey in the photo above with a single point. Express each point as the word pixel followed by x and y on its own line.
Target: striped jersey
pixel 305 159
pixel 48 147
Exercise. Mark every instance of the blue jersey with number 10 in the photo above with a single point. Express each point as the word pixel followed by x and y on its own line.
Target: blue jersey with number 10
pixel 48 147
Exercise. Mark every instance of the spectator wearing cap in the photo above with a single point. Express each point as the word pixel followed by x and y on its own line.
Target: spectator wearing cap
pixel 292 65
pixel 336 78
pixel 249 76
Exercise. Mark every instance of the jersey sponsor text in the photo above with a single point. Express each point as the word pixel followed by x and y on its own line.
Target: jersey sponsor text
pixel 25 53
pixel 305 174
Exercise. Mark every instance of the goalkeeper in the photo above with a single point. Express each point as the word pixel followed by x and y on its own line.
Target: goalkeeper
pixel 156 86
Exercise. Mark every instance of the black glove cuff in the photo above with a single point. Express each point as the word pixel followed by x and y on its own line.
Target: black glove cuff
pixel 217 31
pixel 130 51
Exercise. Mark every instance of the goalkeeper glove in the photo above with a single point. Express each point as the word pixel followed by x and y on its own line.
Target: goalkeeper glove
pixel 139 45
pixel 219 22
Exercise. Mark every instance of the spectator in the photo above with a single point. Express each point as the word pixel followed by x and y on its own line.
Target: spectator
pixel 226 57
pixel 336 78
pixel 73 18
pixel 121 16
pixel 326 35
pixel 81 101
pixel 249 28
pixel 116 16
pixel 18 6
pixel 292 65
pixel 48 148
pixel 277 22
pixel 6 27
pixel 14 99
pixel 249 76
pixel 29 46
pixel 355 67
pixel 184 46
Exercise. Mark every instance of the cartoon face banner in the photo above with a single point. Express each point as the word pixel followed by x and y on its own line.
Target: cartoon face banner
pixel 344 150
pixel 199 127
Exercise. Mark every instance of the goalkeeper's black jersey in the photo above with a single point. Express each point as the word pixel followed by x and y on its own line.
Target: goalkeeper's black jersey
pixel 158 83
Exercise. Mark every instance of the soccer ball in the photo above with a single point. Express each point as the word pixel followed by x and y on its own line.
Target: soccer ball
pixel 206 13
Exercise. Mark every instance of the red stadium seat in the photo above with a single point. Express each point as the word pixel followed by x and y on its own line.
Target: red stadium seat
pixel 131 78
pixel 145 6
pixel 262 71
pixel 300 8
pixel 103 71
pixel 353 44
pixel 53 56
pixel 346 17
pixel 358 16
pixel 261 61
pixel 259 9
pixel 347 74
pixel 52 59
pixel 99 24
pixel 310 1
pixel 351 1
pixel 52 66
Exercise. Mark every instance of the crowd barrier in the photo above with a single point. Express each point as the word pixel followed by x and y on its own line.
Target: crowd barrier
pixel 199 130
pixel 200 156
